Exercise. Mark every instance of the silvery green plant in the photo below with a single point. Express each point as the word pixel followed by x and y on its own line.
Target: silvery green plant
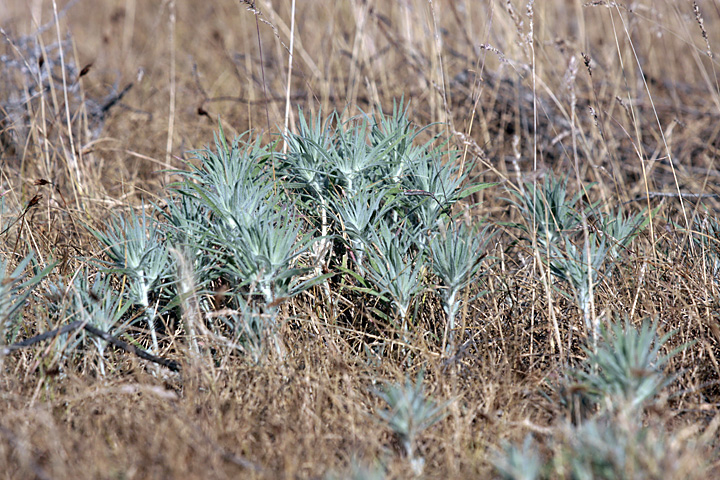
pixel 227 165
pixel 305 164
pixel 98 304
pixel 608 448
pixel 518 463
pixel 252 330
pixel 410 411
pixel 354 160
pixel 357 215
pixel 15 288
pixel 548 211
pixel 404 151
pixel 264 254
pixel 395 267
pixel 431 188
pixel 625 372
pixel 619 229
pixel 620 377
pixel 706 235
pixel 232 181
pixel 307 173
pixel 582 268
pixel 457 255
pixel 188 229
pixel 136 248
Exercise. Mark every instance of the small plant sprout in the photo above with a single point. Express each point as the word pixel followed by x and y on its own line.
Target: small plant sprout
pixel 409 413
pixel 548 212
pixel 136 249
pixel 14 292
pixel 523 463
pixel 457 256
pixel 97 304
pixel 357 215
pixel 395 267
pixel 620 229
pixel 582 269
pixel 626 370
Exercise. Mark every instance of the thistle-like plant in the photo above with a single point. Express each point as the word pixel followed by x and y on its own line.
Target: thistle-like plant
pixel 395 267
pixel 404 151
pixel 264 254
pixel 582 268
pixel 238 163
pixel 620 376
pixel 619 229
pixel 457 256
pixel 305 164
pixel 353 159
pixel 232 182
pixel 252 330
pixel 97 304
pixel 625 372
pixel 307 171
pixel 518 463
pixel 548 211
pixel 356 216
pixel 608 448
pixel 135 246
pixel 433 187
pixel 15 288
pixel 409 413
pixel 188 228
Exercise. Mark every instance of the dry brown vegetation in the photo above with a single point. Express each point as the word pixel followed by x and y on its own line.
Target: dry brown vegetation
pixel 623 94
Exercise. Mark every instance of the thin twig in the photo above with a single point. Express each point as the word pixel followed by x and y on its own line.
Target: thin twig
pixel 171 364
pixel 651 195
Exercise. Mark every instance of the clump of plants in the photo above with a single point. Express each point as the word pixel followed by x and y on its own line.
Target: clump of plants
pixel 606 397
pixel 356 205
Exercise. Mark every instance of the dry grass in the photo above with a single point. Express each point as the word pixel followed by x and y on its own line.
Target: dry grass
pixel 638 114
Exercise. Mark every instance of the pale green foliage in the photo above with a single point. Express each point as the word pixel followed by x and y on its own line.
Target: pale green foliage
pixel 518 463
pixel 359 196
pixel 409 413
pixel 548 211
pixel 626 370
pixel 15 288
pixel 582 268
pixel 457 256
pixel 96 303
pixel 395 267
pixel 620 378
pixel 620 228
pixel 263 254
pixel 580 245
pixel 136 248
